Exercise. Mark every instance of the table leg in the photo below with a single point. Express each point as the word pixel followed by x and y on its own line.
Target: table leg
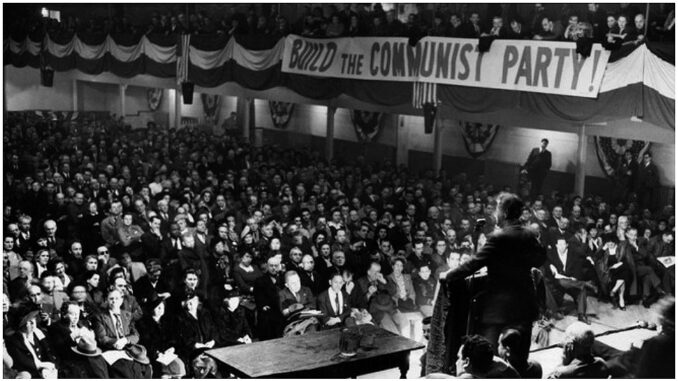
pixel 404 365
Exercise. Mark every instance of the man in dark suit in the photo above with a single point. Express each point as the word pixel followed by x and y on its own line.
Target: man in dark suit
pixel 150 286
pixel 151 240
pixel 309 277
pixel 294 297
pixel 537 166
pixel 567 268
pixel 509 255
pixel 334 303
pixel 648 182
pixel 267 299
pixel 53 242
pixel 114 328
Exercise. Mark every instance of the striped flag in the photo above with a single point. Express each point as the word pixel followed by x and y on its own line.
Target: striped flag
pixel 183 44
pixel 424 92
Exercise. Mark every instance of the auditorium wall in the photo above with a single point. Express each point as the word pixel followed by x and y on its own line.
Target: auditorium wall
pixel 308 126
pixel 511 146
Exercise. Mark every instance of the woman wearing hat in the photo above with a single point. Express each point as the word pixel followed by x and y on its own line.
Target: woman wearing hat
pixel 195 327
pixel 231 321
pixel 159 338
pixel 30 350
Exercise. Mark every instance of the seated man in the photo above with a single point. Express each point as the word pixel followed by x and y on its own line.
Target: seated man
pixel 295 298
pixel 508 350
pixel 641 265
pixel 114 328
pixel 334 303
pixel 578 359
pixel 376 294
pixel 566 268
pixel 475 359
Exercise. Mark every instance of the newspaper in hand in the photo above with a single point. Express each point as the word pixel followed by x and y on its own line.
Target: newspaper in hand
pixel 667 261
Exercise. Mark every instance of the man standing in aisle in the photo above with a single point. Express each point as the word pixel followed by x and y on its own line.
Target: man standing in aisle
pixel 537 166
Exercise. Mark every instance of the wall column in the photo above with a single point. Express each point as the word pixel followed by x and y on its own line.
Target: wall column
pixel 75 95
pixel 437 147
pixel 246 117
pixel 402 141
pixel 122 89
pixel 329 137
pixel 177 107
pixel 580 175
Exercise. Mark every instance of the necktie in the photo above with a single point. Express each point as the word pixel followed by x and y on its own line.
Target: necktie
pixel 296 296
pixel 118 326
pixel 337 308
pixel 177 244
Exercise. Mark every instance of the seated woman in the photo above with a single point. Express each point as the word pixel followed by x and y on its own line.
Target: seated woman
pixel 159 338
pixel 231 322
pixel 410 320
pixel 195 329
pixel 65 334
pixel 246 274
pixel 613 270
pixel 95 294
pixel 30 350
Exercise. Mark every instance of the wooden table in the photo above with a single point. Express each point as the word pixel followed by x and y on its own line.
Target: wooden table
pixel 316 355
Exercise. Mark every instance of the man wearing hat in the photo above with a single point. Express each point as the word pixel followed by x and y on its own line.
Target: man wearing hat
pixel 30 350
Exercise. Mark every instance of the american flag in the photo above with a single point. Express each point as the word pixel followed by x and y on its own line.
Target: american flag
pixel 182 58
pixel 424 92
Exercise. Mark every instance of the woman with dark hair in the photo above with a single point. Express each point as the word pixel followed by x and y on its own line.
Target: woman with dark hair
pixel 613 270
pixel 95 294
pixel 246 274
pixel 157 335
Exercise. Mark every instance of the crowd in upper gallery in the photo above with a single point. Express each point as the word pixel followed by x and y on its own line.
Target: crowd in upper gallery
pixel 613 24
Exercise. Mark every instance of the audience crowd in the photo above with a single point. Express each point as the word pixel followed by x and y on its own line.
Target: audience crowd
pixel 616 25
pixel 129 252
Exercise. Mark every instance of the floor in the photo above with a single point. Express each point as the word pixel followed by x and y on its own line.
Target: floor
pixel 604 319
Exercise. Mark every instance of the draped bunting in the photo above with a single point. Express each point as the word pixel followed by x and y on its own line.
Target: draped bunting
pixel 638 81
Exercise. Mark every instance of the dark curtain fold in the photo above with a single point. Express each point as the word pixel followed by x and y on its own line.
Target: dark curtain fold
pixel 311 87
pixel 386 93
pixel 475 99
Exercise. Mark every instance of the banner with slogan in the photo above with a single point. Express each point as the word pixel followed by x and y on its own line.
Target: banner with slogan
pixel 535 66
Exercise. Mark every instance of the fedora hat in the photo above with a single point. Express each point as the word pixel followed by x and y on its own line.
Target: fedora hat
pixel 137 353
pixel 87 347
pixel 383 302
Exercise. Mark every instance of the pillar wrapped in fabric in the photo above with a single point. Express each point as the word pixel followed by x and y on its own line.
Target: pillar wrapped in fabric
pixel 456 313
pixel 187 92
pixel 46 77
pixel 429 117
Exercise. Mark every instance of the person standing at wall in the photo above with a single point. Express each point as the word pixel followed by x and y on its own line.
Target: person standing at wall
pixel 537 167
pixel 648 182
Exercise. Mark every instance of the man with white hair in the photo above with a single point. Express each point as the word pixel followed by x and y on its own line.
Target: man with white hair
pixel 578 359
pixel 53 242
